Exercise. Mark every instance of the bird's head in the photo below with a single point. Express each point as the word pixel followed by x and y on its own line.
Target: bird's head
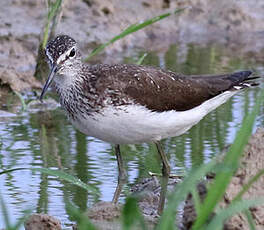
pixel 63 57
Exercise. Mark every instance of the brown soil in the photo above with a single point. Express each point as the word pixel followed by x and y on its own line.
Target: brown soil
pixel 42 222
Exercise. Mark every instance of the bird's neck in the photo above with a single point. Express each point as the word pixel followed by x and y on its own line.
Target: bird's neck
pixel 66 78
pixel 78 96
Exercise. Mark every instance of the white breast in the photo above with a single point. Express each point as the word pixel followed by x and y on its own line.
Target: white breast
pixel 137 124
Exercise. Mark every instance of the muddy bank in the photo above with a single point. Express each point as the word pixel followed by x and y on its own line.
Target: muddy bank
pixel 251 163
pixel 236 24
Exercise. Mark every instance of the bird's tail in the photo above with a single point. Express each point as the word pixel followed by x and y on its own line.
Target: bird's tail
pixel 243 79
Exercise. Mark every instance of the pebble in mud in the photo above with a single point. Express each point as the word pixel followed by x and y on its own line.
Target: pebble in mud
pixel 104 211
pixel 105 215
pixel 42 222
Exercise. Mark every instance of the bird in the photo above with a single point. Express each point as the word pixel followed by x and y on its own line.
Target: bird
pixel 133 104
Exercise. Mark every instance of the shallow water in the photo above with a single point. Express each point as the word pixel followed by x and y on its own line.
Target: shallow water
pixel 47 139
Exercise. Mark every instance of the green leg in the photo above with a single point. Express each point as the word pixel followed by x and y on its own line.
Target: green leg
pixel 164 159
pixel 122 176
pixel 165 177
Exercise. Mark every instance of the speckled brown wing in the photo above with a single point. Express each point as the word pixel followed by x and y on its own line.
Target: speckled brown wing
pixel 161 90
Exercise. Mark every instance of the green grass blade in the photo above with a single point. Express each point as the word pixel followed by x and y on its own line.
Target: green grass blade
pixel 82 220
pixel 141 59
pixel 67 177
pixel 250 220
pixel 132 215
pixel 196 200
pixel 222 179
pixel 5 213
pixel 53 9
pixel 24 105
pixel 234 208
pixel 12 170
pixel 22 219
pixel 167 220
pixel 247 186
pixel 131 29
pixel 57 173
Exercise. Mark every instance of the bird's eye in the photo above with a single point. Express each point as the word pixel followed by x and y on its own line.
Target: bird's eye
pixel 72 53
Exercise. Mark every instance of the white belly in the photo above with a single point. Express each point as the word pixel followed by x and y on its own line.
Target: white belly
pixel 137 124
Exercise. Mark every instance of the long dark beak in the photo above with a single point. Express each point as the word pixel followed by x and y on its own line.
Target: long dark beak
pixel 49 81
